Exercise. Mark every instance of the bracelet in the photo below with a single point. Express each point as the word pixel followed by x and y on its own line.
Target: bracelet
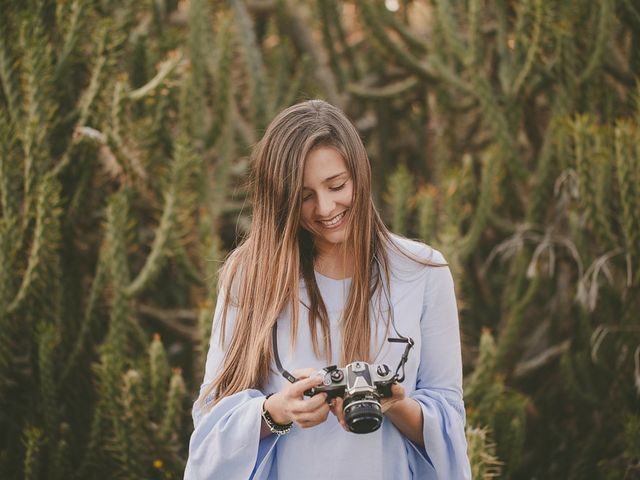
pixel 274 427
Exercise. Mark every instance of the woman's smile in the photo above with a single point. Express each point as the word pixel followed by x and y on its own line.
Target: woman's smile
pixel 335 222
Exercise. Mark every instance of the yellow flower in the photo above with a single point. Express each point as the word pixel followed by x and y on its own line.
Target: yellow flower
pixel 157 463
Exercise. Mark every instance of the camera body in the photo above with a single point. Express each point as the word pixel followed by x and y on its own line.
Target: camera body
pixel 361 386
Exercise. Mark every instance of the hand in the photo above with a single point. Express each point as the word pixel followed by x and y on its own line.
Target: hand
pixel 289 405
pixel 397 395
pixel 336 406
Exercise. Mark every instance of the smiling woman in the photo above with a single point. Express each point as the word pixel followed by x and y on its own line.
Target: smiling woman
pixel 326 204
pixel 320 270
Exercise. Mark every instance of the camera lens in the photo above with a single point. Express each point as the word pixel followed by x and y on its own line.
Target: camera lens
pixel 363 412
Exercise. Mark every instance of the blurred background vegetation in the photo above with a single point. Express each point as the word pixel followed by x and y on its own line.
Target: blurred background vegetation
pixel 502 132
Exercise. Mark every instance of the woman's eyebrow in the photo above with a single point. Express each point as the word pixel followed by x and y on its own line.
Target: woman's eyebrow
pixel 328 179
pixel 333 177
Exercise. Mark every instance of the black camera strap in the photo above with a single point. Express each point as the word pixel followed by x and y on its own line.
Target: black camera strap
pixel 274 342
pixel 399 339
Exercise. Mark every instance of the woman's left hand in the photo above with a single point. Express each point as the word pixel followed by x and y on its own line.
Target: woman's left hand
pixel 397 395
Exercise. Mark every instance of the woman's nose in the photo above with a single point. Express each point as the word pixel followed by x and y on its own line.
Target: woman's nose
pixel 325 206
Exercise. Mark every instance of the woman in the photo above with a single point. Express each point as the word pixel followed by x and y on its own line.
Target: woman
pixel 320 274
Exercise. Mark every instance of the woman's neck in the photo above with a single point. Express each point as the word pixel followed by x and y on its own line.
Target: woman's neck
pixel 335 262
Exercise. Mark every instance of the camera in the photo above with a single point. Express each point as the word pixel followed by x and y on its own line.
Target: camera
pixel 361 386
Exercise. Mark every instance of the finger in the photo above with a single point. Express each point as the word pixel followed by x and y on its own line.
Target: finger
pixel 338 411
pixel 397 392
pixel 340 408
pixel 308 424
pixel 314 417
pixel 301 373
pixel 301 386
pixel 317 401
pixel 314 403
pixel 340 422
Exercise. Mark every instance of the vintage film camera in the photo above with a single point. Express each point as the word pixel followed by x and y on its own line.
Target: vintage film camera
pixel 362 386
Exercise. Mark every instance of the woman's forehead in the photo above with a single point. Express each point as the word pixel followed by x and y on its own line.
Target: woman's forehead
pixel 324 164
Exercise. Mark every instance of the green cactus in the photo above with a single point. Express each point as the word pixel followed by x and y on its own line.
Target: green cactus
pixel 399 191
pixel 427 212
pixel 628 168
pixel 125 131
pixel 33 442
pixel 484 463
pixel 174 406
pixel 159 374
pixel 47 342
pixel 255 66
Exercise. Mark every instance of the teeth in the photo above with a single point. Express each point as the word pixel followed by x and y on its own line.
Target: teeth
pixel 334 221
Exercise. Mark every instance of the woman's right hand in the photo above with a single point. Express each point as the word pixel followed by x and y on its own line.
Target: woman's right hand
pixel 289 404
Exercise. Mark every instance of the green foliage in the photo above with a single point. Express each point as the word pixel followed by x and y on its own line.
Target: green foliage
pixel 538 217
pixel 499 132
pixel 481 451
pixel 33 442
pixel 427 212
pixel 497 407
pixel 400 190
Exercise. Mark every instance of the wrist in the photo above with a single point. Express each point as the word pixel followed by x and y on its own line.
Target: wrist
pixel 397 407
pixel 273 405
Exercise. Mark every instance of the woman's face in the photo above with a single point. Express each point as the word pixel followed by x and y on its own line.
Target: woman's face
pixel 326 197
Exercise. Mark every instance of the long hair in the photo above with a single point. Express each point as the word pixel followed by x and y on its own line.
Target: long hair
pixel 261 277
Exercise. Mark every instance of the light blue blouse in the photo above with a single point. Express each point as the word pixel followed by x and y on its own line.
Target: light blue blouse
pixel 226 443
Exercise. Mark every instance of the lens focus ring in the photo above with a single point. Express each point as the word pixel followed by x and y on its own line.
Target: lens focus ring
pixel 363 413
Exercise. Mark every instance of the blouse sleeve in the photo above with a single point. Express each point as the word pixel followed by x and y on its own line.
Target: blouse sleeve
pixel 439 381
pixel 226 440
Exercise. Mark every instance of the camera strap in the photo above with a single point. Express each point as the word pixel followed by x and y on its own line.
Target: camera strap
pixel 399 339
pixel 274 342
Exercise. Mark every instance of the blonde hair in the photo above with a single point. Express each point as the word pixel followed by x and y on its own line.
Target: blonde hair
pixel 261 277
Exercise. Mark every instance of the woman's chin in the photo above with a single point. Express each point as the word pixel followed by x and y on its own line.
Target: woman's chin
pixel 325 240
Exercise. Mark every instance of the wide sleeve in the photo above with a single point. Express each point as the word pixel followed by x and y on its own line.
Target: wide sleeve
pixel 225 442
pixel 439 382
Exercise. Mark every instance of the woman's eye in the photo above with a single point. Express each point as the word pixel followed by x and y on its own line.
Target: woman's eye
pixel 306 197
pixel 338 188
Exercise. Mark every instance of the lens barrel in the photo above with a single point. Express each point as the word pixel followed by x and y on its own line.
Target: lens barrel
pixel 363 412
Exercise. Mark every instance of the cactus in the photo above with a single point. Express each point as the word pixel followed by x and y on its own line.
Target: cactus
pixel 223 83
pixel 45 240
pixel 628 168
pixel 499 408
pixel 125 129
pixel 532 50
pixel 490 176
pixel 33 442
pixel 174 406
pixel 253 58
pixel 484 464
pixel 326 9
pixel 400 190
pixel 158 374
pixel 426 200
pixel 47 342
pixel 376 28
